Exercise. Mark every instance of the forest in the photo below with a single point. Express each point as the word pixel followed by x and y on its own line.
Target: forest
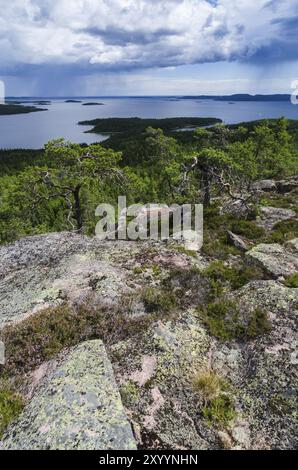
pixel 58 188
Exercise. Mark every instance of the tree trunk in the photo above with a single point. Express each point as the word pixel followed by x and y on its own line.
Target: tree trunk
pixel 206 178
pixel 78 209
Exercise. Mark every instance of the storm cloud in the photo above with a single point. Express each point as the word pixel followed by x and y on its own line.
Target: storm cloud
pixel 92 36
pixel 143 33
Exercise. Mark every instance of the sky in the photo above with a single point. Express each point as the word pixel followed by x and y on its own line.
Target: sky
pixel 148 47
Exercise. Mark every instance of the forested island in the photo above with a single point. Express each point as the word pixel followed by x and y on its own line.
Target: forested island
pixel 93 104
pixel 242 97
pixel 8 109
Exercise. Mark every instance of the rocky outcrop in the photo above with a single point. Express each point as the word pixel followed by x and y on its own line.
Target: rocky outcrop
pixel 156 375
pixel 282 186
pixel 265 373
pixel 76 406
pixel 42 271
pixel 269 216
pixel 274 258
pixel 74 399
pixel 286 186
pixel 264 185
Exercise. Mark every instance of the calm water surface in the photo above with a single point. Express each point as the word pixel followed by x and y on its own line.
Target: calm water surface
pixel 61 120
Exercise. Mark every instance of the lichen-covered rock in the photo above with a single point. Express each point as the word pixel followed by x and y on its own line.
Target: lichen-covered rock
pixel 160 352
pixel 264 185
pixel 42 271
pixel 155 376
pixel 274 258
pixel 285 186
pixel 269 216
pixel 76 406
pixel 47 270
pixel 237 241
pixel 266 380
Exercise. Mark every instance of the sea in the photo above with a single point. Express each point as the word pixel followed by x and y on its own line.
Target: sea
pixel 32 131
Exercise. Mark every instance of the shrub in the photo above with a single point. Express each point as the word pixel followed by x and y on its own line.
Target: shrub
pixel 40 337
pixel 247 229
pixel 158 300
pixel 283 231
pixel 223 320
pixel 258 323
pixel 235 277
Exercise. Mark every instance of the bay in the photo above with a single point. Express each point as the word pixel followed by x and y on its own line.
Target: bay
pixel 61 120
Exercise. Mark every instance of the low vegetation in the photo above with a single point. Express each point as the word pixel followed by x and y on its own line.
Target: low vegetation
pixel 218 404
pixel 11 404
pixel 223 319
pixel 222 276
pixel 292 280
pixel 283 231
pixel 158 300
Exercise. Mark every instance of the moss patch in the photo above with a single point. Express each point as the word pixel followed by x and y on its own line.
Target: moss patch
pixel 130 393
pixel 11 406
pixel 248 229
pixel 158 300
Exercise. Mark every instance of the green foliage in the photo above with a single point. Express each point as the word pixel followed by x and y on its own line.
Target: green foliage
pixel 158 300
pixel 258 323
pixel 130 393
pixel 62 196
pixel 283 231
pixel 220 411
pixel 224 321
pixel 268 152
pixel 8 109
pixel 59 188
pixel 11 405
pixel 292 280
pixel 221 275
pixel 248 229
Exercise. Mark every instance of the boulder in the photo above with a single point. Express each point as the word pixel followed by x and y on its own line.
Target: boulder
pixel 269 216
pixel 237 241
pixel 274 258
pixel 76 406
pixel 286 186
pixel 264 185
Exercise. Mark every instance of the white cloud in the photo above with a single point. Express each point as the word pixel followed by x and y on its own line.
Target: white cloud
pixel 128 34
